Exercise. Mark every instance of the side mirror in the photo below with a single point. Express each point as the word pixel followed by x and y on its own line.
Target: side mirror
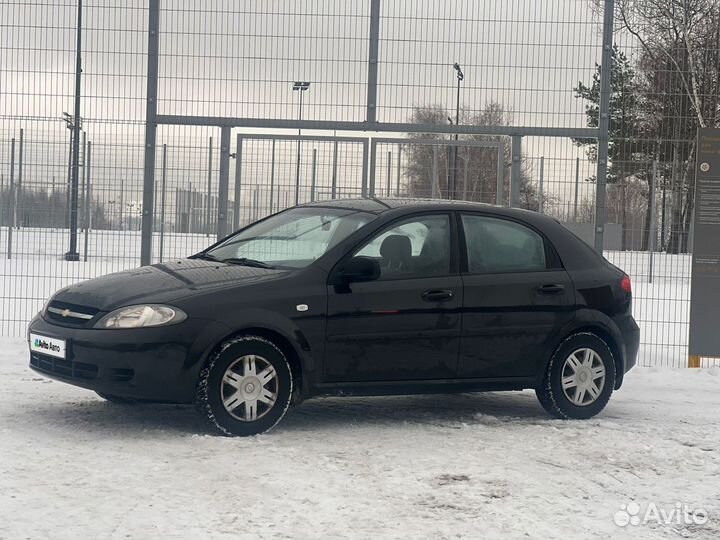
pixel 360 269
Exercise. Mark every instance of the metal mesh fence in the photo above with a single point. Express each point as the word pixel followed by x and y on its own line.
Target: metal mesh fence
pixel 263 70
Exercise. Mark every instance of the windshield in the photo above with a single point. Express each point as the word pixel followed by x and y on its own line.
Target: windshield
pixel 291 239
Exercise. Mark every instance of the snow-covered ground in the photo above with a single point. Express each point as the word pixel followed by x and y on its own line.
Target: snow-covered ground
pixel 464 466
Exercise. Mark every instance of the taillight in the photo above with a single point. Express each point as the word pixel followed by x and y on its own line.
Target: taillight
pixel 626 284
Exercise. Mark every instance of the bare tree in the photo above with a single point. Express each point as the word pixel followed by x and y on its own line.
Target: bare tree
pixel 477 164
pixel 680 42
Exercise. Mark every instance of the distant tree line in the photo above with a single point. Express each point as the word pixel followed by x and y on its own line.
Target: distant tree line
pixel 46 208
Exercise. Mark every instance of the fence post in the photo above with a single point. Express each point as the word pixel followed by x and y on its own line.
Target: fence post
pixel 434 183
pixel 389 173
pixel 224 182
pixel 272 176
pixel 500 185
pixel 465 173
pixel 399 170
pixel 162 201
pixel 516 171
pixel 255 204
pixel 11 199
pixel 365 166
pixel 150 131
pixel 208 203
pixel 313 178
pixel 334 171
pixel 81 207
pixel 541 194
pixel 373 163
pixel 577 189
pixel 18 187
pixel 86 200
pixel 374 47
pixel 67 186
pixel 653 226
pixel 604 126
pixel 238 183
pixel 52 204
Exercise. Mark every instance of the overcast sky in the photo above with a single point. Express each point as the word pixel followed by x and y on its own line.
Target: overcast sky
pixel 239 58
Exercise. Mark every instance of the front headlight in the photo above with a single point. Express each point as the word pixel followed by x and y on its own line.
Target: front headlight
pixel 141 317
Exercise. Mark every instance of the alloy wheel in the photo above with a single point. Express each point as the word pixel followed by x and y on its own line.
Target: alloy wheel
pixel 583 377
pixel 249 388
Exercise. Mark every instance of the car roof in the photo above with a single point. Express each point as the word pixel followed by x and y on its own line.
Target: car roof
pixel 380 205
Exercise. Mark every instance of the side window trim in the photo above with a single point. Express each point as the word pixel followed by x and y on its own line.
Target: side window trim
pixel 553 262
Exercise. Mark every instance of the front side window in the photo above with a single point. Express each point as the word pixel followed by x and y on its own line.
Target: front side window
pixel 498 245
pixel 292 239
pixel 418 247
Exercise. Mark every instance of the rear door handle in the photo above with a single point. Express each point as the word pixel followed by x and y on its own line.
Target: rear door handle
pixel 554 288
pixel 437 296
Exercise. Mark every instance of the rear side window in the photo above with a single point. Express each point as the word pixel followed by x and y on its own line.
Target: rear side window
pixel 498 245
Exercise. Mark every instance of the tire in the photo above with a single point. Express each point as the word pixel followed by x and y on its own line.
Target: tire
pixel 253 377
pixel 586 393
pixel 118 400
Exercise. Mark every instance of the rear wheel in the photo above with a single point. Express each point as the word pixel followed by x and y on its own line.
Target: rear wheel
pixel 246 387
pixel 579 379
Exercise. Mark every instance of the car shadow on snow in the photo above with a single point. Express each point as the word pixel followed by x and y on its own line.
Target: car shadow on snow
pixel 452 410
pixel 321 414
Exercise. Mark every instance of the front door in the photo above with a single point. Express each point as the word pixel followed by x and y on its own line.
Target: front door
pixel 406 324
pixel 517 296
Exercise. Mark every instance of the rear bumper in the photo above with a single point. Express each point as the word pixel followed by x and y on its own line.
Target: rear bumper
pixel 630 332
pixel 157 364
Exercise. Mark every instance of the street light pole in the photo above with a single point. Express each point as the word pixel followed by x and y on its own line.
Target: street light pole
pixel 300 87
pixel 72 254
pixel 460 76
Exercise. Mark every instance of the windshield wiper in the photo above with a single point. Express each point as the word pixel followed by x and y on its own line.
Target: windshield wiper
pixel 243 261
pixel 205 257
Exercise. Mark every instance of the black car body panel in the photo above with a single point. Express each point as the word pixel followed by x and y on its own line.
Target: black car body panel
pixel 484 332
pixel 156 364
pixel 161 282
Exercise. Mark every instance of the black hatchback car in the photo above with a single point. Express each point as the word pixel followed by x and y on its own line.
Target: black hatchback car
pixel 352 297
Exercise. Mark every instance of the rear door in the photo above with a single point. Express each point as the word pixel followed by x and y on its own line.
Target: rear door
pixel 517 295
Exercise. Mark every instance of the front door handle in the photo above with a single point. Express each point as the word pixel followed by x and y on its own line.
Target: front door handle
pixel 437 295
pixel 554 288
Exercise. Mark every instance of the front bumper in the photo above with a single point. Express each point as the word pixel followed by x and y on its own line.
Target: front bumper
pixel 157 364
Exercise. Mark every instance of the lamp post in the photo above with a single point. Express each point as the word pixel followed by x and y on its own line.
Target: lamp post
pixel 300 87
pixel 460 76
pixel 72 254
pixel 69 120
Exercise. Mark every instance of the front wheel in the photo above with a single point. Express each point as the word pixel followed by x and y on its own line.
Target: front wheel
pixel 246 386
pixel 579 379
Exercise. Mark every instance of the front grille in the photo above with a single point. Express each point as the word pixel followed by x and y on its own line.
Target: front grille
pixel 64 368
pixel 67 314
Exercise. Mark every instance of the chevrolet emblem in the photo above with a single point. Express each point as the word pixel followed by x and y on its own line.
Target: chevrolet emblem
pixel 66 313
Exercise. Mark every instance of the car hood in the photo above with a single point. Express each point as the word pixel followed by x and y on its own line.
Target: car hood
pixel 160 283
